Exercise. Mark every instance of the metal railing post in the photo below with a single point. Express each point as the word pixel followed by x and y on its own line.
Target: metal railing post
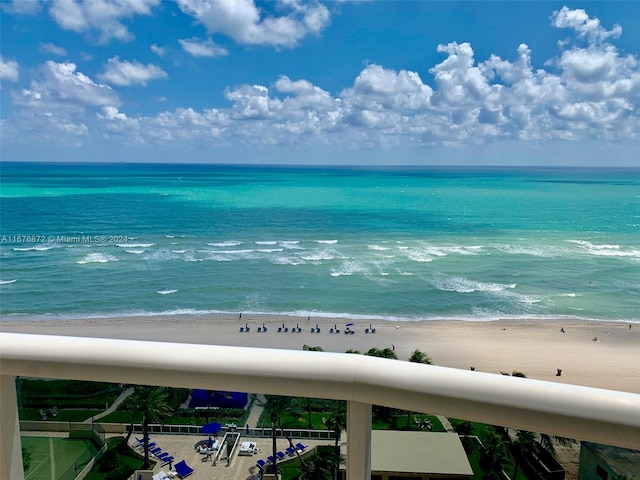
pixel 10 445
pixel 358 441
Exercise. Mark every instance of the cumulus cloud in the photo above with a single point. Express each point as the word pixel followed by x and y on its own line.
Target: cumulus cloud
pixel 202 48
pixel 8 70
pixel 160 51
pixel 61 86
pixel 586 92
pixel 53 49
pixel 124 73
pixel 103 16
pixel 585 26
pixel 22 7
pixel 243 21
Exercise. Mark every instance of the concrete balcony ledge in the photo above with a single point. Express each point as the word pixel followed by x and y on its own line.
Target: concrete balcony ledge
pixel 583 413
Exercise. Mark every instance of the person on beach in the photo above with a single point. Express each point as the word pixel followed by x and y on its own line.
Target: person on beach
pixel 240 316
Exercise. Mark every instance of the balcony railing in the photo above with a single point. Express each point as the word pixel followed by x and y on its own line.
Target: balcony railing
pixel 583 413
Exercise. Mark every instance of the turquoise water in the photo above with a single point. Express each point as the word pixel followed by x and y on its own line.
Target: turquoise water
pixel 405 244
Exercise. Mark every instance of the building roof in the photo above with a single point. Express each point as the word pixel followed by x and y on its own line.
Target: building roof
pixel 418 452
pixel 622 461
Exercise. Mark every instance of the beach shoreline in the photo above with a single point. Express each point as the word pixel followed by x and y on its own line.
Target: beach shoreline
pixel 537 348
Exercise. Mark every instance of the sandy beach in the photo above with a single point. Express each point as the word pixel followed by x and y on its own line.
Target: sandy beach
pixel 536 348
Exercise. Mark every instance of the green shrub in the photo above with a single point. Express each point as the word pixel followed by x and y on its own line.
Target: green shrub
pixel 109 461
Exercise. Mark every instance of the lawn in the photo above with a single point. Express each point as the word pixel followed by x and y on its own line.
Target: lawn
pixel 70 415
pixel 128 462
pixel 52 457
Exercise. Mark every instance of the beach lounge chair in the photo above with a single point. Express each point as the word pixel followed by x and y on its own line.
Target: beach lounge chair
pixel 156 451
pixel 261 464
pixel 281 456
pixel 270 459
pixel 166 460
pixel 291 451
pixel 182 469
pixel 300 446
pixel 162 456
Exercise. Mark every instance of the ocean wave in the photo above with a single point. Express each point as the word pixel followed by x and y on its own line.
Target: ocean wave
pixel 166 292
pixel 606 250
pixel 228 243
pixel 39 248
pixel 136 252
pixel 135 245
pixel 329 242
pixel 464 285
pixel 265 242
pixel 348 268
pixel 542 252
pixel 287 261
pixel 377 247
pixel 7 282
pixel 97 258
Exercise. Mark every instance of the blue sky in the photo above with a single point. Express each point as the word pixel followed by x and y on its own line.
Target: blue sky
pixel 341 82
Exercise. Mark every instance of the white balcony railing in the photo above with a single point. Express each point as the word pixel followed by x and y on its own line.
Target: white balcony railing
pixel 583 413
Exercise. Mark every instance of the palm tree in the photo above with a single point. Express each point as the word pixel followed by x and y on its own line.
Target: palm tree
pixel 273 408
pixel 494 453
pixel 337 421
pixel 150 404
pixel 420 357
pixel 548 442
pixel 524 445
pixel 385 353
pixel 417 357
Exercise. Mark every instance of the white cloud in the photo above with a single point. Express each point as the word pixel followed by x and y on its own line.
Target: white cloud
pixel 53 49
pixel 243 21
pixel 22 7
pixel 104 16
pixel 585 26
pixel 202 48
pixel 124 73
pixel 160 51
pixel 9 70
pixel 61 87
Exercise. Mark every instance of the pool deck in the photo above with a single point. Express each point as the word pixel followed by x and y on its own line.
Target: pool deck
pixel 181 447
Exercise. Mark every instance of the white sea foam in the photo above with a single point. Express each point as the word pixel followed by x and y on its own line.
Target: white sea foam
pixel 418 255
pixel 166 292
pixel 290 244
pixel 287 261
pixel 7 282
pixel 97 258
pixel 170 236
pixel 38 248
pixel 135 245
pixel 377 247
pixel 464 285
pixel 136 252
pixel 542 252
pixel 228 243
pixel 265 242
pixel 348 268
pixel 329 242
pixel 606 250
pixel 178 251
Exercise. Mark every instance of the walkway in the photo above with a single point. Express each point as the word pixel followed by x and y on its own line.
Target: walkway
pixel 116 403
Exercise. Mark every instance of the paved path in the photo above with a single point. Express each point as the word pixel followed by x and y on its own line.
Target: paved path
pixel 256 411
pixel 112 408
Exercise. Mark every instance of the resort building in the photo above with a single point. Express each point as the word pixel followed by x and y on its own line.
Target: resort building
pixel 398 455
pixel 604 462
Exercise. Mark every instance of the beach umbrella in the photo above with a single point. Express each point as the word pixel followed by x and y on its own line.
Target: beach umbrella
pixel 211 428
pixel 349 325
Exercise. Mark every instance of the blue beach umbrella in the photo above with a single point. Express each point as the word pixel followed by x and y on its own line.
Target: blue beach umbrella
pixel 349 325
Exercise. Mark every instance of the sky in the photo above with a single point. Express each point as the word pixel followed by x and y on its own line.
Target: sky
pixel 516 83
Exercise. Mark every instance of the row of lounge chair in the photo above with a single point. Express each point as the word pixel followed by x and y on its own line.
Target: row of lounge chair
pixel 290 453
pixel 181 468
pixel 297 329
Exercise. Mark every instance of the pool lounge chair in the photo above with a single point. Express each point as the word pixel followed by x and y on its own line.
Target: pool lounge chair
pixel 261 464
pixel 300 446
pixel 182 469
pixel 166 460
pixel 281 456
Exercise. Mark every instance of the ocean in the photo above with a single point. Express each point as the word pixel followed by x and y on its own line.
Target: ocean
pixel 402 244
